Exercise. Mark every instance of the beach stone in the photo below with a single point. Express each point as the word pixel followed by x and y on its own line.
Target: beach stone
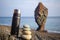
pixel 12 38
pixel 26 26
pixel 36 35
pixel 26 36
pixel 41 13
pixel 27 32
pixel 26 29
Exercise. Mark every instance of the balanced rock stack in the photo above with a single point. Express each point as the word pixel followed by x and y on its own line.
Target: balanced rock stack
pixel 41 13
pixel 26 32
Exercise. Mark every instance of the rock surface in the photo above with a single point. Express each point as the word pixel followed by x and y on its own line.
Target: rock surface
pixel 35 34
pixel 41 13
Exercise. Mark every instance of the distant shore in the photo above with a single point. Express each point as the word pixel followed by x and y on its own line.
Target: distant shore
pixel 35 34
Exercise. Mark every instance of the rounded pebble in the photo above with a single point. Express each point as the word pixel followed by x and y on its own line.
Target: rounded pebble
pixel 26 36
pixel 27 32
pixel 26 29
pixel 26 26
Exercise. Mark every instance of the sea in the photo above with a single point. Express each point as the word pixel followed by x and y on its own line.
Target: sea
pixel 52 23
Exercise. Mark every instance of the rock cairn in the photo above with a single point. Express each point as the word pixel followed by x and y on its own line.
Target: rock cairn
pixel 41 13
pixel 26 32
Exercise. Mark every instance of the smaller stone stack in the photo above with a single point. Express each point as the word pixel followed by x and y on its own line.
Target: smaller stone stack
pixel 26 32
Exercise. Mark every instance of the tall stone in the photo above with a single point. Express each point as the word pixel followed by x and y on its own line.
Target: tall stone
pixel 15 22
pixel 40 15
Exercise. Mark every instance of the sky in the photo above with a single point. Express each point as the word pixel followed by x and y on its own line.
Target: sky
pixel 27 7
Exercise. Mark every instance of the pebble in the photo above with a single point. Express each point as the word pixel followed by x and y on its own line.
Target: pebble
pixel 26 29
pixel 27 32
pixel 26 26
pixel 26 36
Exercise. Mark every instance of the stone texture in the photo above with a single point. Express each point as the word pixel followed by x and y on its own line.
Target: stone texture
pixel 41 13
pixel 36 35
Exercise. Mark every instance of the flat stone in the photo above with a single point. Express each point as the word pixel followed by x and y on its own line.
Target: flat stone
pixel 26 36
pixel 26 29
pixel 26 26
pixel 27 32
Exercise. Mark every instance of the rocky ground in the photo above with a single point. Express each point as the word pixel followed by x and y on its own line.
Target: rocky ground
pixel 5 34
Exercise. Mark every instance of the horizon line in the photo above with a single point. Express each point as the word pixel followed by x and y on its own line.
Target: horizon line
pixel 32 16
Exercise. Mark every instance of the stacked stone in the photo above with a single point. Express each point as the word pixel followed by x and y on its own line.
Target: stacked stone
pixel 41 13
pixel 26 32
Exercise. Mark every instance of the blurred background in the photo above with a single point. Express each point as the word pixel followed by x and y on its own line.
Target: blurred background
pixel 27 8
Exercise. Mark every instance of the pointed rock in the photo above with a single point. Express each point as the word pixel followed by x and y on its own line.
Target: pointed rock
pixel 41 13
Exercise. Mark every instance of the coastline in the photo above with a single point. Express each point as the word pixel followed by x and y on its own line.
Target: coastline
pixel 50 31
pixel 35 34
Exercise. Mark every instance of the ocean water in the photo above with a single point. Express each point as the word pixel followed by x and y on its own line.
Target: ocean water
pixel 52 23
